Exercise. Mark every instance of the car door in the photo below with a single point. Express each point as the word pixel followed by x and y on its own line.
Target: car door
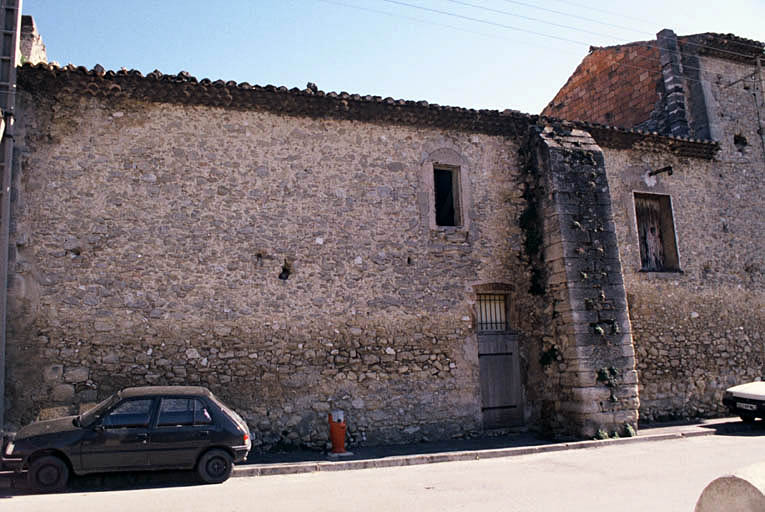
pixel 120 439
pixel 183 428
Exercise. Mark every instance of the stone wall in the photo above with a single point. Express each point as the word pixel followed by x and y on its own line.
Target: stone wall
pixel 697 331
pixel 285 262
pixel 735 105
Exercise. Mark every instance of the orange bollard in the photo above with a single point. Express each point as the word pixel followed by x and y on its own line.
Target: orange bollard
pixel 337 431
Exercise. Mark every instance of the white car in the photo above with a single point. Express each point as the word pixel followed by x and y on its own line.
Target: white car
pixel 746 400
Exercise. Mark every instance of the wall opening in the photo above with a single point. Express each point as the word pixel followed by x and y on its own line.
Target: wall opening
pixel 740 142
pixel 446 188
pixel 286 271
pixel 656 233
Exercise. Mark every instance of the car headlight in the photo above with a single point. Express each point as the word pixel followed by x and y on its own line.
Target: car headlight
pixel 9 448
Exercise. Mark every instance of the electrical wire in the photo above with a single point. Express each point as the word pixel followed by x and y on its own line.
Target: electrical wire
pixel 510 27
pixel 604 11
pixel 478 20
pixel 442 25
pixel 532 6
pixel 506 13
pixel 499 11
pixel 516 2
pixel 652 70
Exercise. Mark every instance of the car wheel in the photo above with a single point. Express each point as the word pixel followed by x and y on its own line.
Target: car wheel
pixel 748 418
pixel 48 474
pixel 215 466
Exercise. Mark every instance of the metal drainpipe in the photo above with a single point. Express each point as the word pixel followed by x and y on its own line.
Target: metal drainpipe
pixel 8 9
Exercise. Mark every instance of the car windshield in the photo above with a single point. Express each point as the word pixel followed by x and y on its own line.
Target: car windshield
pixel 89 417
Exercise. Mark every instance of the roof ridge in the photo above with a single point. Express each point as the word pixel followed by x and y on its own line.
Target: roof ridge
pixel 310 90
pixel 184 88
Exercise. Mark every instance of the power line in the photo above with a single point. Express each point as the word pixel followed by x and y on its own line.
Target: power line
pixel 478 20
pixel 646 44
pixel 499 11
pixel 649 44
pixel 573 16
pixel 656 70
pixel 501 25
pixel 604 11
pixel 601 22
pixel 442 25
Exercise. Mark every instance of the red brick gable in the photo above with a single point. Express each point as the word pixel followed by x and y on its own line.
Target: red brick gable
pixel 613 86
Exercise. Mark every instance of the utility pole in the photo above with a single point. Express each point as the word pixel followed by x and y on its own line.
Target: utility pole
pixel 10 27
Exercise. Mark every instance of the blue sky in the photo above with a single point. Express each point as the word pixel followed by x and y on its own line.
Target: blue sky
pixel 471 53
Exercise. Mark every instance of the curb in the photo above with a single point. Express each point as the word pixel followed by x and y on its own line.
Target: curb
pixel 434 458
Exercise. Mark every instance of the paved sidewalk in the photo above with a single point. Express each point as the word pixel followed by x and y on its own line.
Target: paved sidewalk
pixel 471 449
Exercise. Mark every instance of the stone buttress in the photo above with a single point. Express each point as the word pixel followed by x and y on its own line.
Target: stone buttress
pixel 579 254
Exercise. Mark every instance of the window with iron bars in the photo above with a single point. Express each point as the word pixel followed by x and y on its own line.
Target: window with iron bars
pixel 492 312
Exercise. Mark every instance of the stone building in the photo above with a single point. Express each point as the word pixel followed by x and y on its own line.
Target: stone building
pixel 433 271
pixel 696 290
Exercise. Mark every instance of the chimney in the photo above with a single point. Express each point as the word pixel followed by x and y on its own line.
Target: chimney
pixel 31 43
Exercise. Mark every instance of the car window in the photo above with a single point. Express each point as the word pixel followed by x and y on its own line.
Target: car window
pixel 183 411
pixel 89 417
pixel 130 413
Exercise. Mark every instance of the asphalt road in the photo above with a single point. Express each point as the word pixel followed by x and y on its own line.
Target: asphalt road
pixel 657 476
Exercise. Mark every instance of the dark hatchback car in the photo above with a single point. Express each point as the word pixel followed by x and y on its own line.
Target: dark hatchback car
pixel 144 428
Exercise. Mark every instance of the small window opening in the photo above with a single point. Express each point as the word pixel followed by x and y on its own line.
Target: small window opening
pixel 286 271
pixel 492 312
pixel 446 184
pixel 740 142
pixel 656 233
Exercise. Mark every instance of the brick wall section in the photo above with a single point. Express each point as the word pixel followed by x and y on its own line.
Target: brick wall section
pixel 596 376
pixel 615 86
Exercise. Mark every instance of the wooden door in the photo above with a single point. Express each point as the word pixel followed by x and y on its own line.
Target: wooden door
pixel 500 380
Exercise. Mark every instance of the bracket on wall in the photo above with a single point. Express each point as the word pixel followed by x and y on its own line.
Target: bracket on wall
pixel 667 169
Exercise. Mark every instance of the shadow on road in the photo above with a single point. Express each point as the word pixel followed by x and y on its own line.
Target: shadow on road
pixel 737 428
pixel 16 485
pixel 486 442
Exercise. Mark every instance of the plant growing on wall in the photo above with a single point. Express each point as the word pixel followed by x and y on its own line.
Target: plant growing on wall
pixel 549 356
pixel 608 376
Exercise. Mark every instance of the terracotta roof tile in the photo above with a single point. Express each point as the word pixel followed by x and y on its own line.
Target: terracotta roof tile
pixel 185 89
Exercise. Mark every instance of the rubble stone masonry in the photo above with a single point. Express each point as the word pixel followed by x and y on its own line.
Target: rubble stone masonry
pixel 699 331
pixel 287 263
pixel 281 248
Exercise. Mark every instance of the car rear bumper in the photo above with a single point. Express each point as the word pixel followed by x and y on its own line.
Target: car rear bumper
pixel 240 453
pixel 744 406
